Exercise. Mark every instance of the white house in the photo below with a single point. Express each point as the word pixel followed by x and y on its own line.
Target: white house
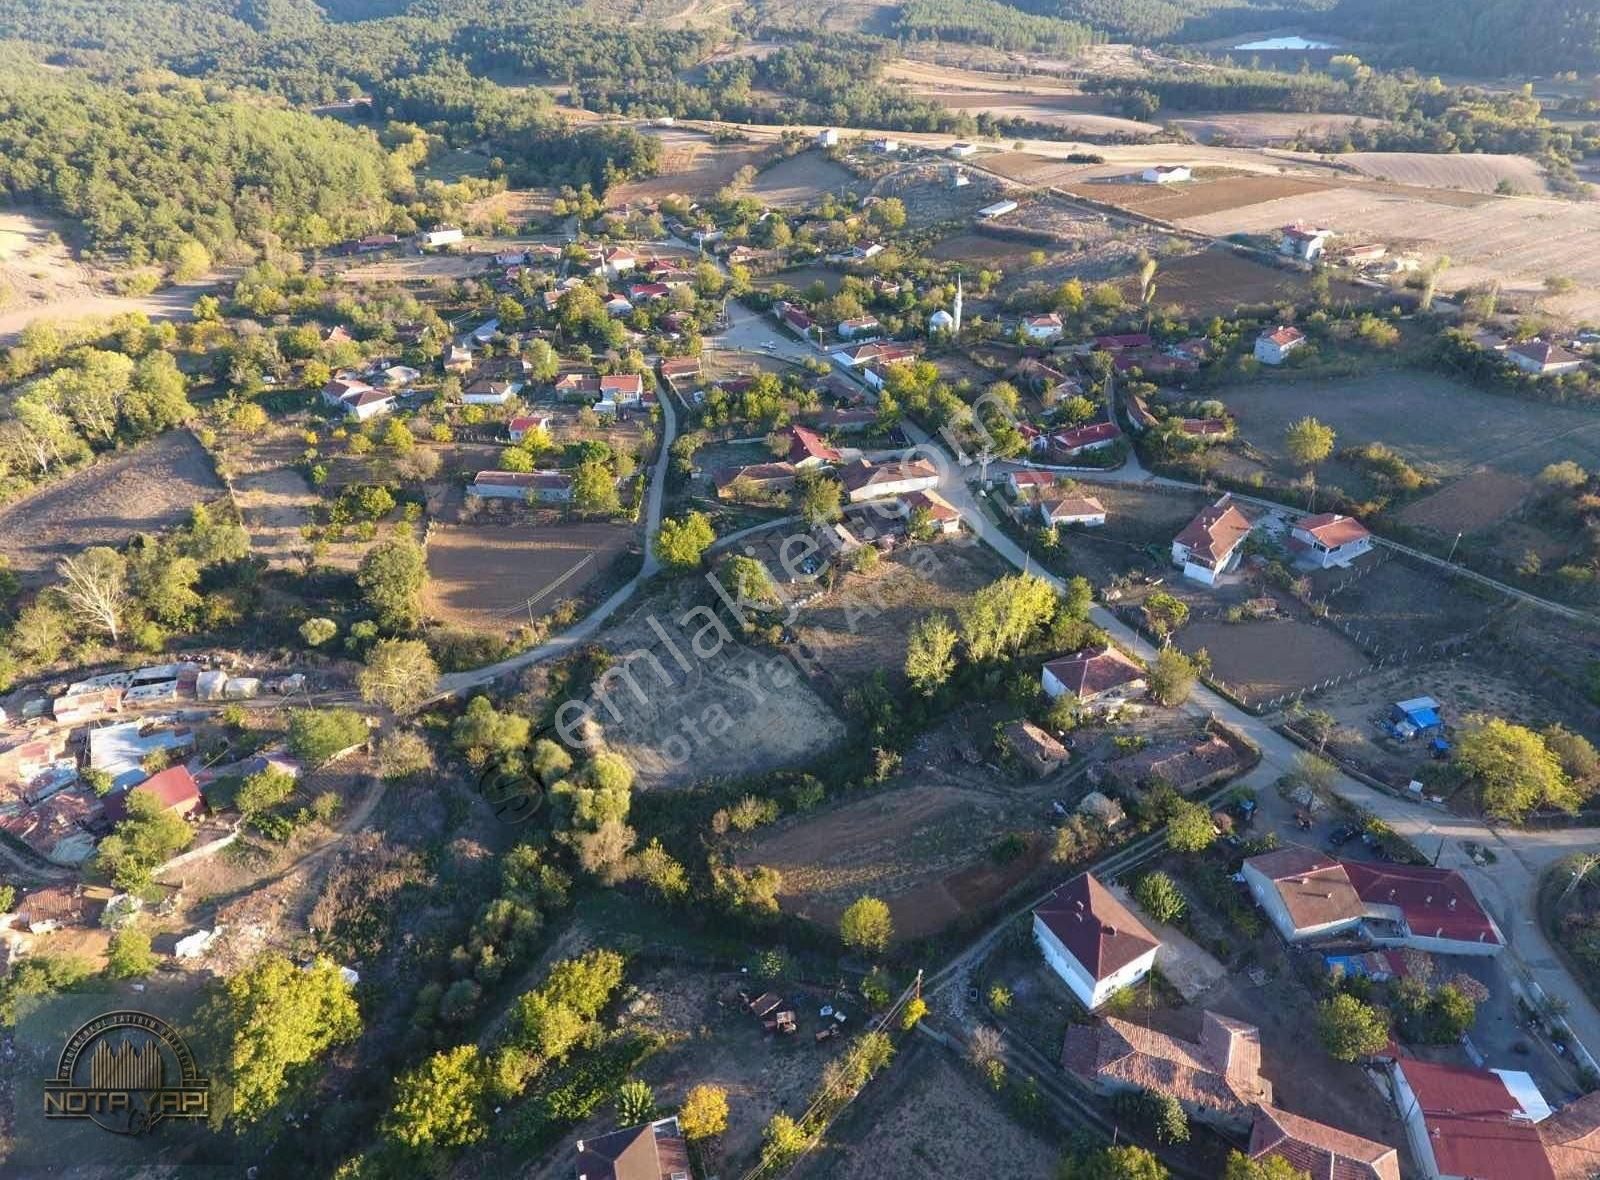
pixel 942 516
pixel 886 145
pixel 1329 539
pixel 489 393
pixel 1274 346
pixel 1166 174
pixel 864 480
pixel 1482 1124
pixel 547 487
pixel 357 399
pixel 1041 329
pixel 829 137
pixel 1305 244
pixel 1092 941
pixel 1081 510
pixel 1543 359
pixel 1209 543
pixel 625 389
pixel 486 331
pixel 1100 677
pixel 521 426
pixel 962 151
pixel 444 235
pixel 619 261
pixel 864 325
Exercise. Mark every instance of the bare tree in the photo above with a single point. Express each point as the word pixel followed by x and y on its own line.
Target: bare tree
pixel 95 587
pixel 985 1046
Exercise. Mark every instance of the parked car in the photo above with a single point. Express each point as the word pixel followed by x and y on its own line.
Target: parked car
pixel 1343 834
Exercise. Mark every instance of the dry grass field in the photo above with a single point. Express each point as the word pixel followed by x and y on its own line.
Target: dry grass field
pixel 1217 281
pixel 480 574
pixel 1262 128
pixel 275 501
pixel 1476 501
pixel 147 489
pixel 413 267
pixel 801 179
pixel 691 166
pixel 1477 173
pixel 1196 199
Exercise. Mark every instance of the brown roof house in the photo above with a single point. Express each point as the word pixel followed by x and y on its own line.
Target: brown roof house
pixel 1306 893
pixel 1036 747
pixel 1185 765
pixel 1572 1139
pixel 1093 941
pixel 654 1151
pixel 51 908
pixel 1217 1078
pixel 1209 544
pixel 1099 678
pixel 1321 1151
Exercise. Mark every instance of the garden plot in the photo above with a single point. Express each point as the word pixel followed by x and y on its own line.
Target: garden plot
pixel 1399 605
pixel 1262 659
pixel 1477 172
pixel 148 488
pixel 800 180
pixel 1172 202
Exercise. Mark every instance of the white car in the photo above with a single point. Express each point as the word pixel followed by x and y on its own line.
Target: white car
pixel 770 346
pixel 699 397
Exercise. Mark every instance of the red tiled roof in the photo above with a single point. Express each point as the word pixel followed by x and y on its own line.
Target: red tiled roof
pixel 546 480
pixel 1436 903
pixel 1130 340
pixel 1571 1138
pixel 808 444
pixel 1090 672
pixel 1313 887
pixel 170 788
pixel 935 505
pixel 622 383
pixel 1474 1125
pixel 862 474
pixel 1034 479
pixel 1544 352
pixel 1204 427
pixel 1321 1151
pixel 759 472
pixel 655 1151
pixel 1083 436
pixel 1100 932
pixel 1220 1071
pixel 1332 529
pixel 1215 532
pixel 1284 335
pixel 680 366
pixel 526 422
pixel 1072 507
pixel 1049 320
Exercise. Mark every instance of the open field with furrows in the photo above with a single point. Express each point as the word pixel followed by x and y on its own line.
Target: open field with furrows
pixel 1519 242
pixel 1475 172
pixel 924 849
pixel 862 625
pixel 691 166
pixel 146 489
pixel 800 180
pixel 481 574
pixel 1258 660
pixel 1448 428
pixel 1260 128
pixel 403 264
pixel 1174 202
pixel 1480 500
pixel 931 1116
pixel 1216 281
pixel 1399 605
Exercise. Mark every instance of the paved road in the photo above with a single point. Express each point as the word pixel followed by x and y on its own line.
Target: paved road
pixel 1509 888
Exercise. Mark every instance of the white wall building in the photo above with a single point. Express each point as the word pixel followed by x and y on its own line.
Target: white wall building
pixel 1092 941
pixel 1273 347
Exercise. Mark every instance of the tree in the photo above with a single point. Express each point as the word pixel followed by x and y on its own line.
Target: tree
pixel 1189 827
pixel 930 653
pixel 95 588
pixel 1350 1029
pixel 1308 443
pixel 400 674
pixel 147 838
pixel 391 577
pixel 1165 612
pixel 783 1141
pixel 636 1103
pixel 747 579
pixel 316 632
pixel 916 1008
pixel 129 956
pixel 483 733
pixel 818 496
pixel 1159 897
pixel 264 790
pixel 681 544
pixel 1268 1167
pixel 404 754
pixel 1171 677
pixel 316 735
pixel 1119 1163
pixel 1003 615
pixel 549 761
pixel 866 924
pixel 1513 769
pixel 440 1103
pixel 1577 755
pixel 704 1113
pixel 275 1019
pixel 594 489
pixel 190 260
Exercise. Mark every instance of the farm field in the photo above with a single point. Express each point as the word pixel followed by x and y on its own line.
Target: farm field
pixel 1450 428
pixel 929 1116
pixel 799 278
pixel 982 249
pixel 801 179
pixel 275 501
pixel 1260 659
pixel 1216 281
pixel 1477 501
pixel 1519 242
pixel 1261 128
pixel 1400 605
pixel 1198 198
pixel 691 166
pixel 1472 172
pixel 412 267
pixel 146 489
pixel 480 574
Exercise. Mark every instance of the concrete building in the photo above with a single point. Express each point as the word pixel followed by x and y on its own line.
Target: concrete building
pixel 1209 544
pixel 1092 941
pixel 864 480
pixel 1100 678
pixel 544 487
pixel 1471 1124
pixel 1166 174
pixel 1274 345
pixel 1329 539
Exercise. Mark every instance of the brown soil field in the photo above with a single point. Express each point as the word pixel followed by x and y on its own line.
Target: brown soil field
pixel 1079 112
pixel 1474 502
pixel 929 1117
pixel 923 849
pixel 1516 241
pixel 1259 128
pixel 1217 281
pixel 1258 660
pixel 1400 605
pixel 147 489
pixel 801 179
pixel 1196 199
pixel 801 277
pixel 691 166
pixel 409 267
pixel 862 625
pixel 1028 168
pixel 515 205
pixel 983 250
pixel 480 574
pixel 274 499
pixel 1470 172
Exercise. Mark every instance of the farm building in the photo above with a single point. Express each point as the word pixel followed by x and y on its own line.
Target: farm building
pixel 1092 437
pixel 398 376
pixel 1543 359
pixel 828 137
pixel 1166 174
pixel 1467 1122
pixel 1042 753
pixel 173 790
pixel 1318 1149
pixel 1092 941
pixel 1308 894
pixel 876 353
pixel 943 517
pixel 808 450
pixel 1042 328
pixel 617 304
pixel 443 235
pixel 864 480
pixel 654 1151
pixel 845 421
pixel 1414 718
pixel 1274 346
pixel 885 145
pixel 1098 677
pixel 1208 544
pixel 544 487
pixel 1217 1078
pixel 962 151
pixel 1305 244
pixel 1080 510
pixel 648 292
pixel 486 331
pixel 577 387
pixel 1329 539
pixel 997 210
pixel 458 360
pixel 24 760
pixel 1185 765
pixel 765 477
pixel 120 750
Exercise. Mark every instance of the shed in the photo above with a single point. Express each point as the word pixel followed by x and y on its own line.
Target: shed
pixel 1415 717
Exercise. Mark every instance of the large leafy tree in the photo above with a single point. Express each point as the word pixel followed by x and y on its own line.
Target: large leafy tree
pixel 930 653
pixel 1350 1029
pixel 441 1102
pixel 866 925
pixel 400 674
pixel 1513 768
pixel 682 543
pixel 391 577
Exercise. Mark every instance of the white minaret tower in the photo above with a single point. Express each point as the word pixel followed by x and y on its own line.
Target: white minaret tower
pixel 956 312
